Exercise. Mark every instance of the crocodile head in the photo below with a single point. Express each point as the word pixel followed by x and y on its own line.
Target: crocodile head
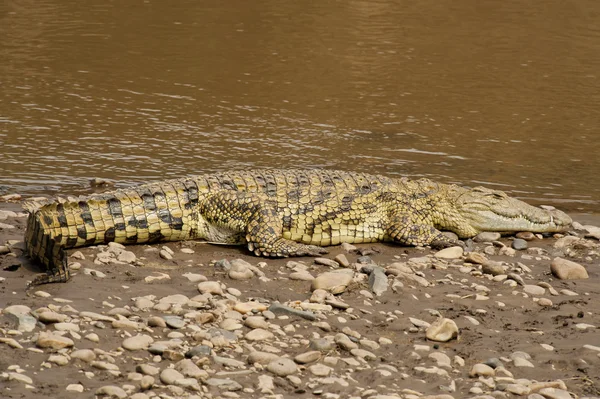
pixel 482 209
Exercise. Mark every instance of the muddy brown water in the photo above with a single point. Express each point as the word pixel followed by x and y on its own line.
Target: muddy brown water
pixel 498 93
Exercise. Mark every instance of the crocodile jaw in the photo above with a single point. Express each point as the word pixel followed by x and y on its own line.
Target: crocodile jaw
pixel 491 210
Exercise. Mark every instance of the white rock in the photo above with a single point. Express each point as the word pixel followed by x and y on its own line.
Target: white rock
pixel 449 253
pixel 442 330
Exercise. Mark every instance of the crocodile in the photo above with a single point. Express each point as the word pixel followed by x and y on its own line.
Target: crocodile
pixel 277 213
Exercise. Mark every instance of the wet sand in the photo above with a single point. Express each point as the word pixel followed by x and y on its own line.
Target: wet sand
pixel 496 319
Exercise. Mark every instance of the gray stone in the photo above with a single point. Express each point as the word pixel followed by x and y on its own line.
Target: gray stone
pixel 378 281
pixel 280 309
pixel 519 244
pixel 127 257
pixel 263 358
pixel 199 350
pixel 147 369
pixel 225 384
pixel 174 321
pixel 327 262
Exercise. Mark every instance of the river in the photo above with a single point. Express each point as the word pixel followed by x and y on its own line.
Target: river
pixel 504 94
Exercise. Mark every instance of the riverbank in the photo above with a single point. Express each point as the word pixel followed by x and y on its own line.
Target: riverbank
pixel 190 319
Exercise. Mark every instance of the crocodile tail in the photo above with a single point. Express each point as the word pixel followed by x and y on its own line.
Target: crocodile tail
pixel 144 214
pixel 42 247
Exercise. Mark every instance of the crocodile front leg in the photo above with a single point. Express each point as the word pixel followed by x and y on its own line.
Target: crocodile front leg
pixel 256 216
pixel 404 230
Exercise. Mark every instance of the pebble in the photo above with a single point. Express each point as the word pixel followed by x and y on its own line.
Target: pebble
pixel 87 355
pixel 342 260
pixel 75 388
pixel 210 287
pixel 519 244
pixel 327 262
pixel 52 341
pixel 481 369
pixel 259 334
pixel 487 237
pixel 166 255
pixel 568 270
pixel 137 342
pixel 170 376
pixel 282 366
pixel 450 253
pixel 240 271
pixel 112 391
pixel 308 357
pixel 320 370
pixel 127 257
pixel 378 281
pixel 534 289
pixel 442 330
pixel 334 282
pixel 194 277
pixel 280 309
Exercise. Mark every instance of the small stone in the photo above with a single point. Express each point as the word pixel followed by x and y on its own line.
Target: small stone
pixel 174 321
pixel 334 282
pixel 554 393
pixel 348 247
pixel 534 289
pixel 75 388
pixel 210 287
pixel 545 302
pixel 259 334
pixel 19 377
pixel 52 317
pixel 170 376
pixel 522 362
pixel 308 357
pixel 487 237
pixel 249 307
pixel 327 262
pixel 449 253
pixel 60 360
pixel 176 299
pixel 156 321
pixel 240 271
pixel 165 255
pixel 519 244
pixel 320 370
pixel 137 343
pixel 147 369
pixel 189 369
pixel 157 276
pixel 378 281
pixel 52 341
pixel 342 260
pixel 279 309
pixel 567 270
pixel 476 258
pixel 194 277
pixel 442 330
pixel 282 366
pixel 526 235
pixel 127 257
pixel 112 391
pixel 344 342
pixel 86 355
pixel 146 382
pixel 263 358
pixel 481 369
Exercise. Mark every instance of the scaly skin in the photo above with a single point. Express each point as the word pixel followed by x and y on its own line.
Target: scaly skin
pixel 277 213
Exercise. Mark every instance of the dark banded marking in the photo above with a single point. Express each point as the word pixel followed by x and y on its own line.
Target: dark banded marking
pixel 109 235
pixel 114 207
pixel 86 215
pixel 61 217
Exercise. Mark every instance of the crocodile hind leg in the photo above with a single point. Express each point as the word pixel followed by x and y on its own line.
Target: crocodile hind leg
pixel 404 230
pixel 255 216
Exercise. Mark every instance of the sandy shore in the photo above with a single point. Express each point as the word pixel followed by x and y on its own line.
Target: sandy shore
pixel 184 323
